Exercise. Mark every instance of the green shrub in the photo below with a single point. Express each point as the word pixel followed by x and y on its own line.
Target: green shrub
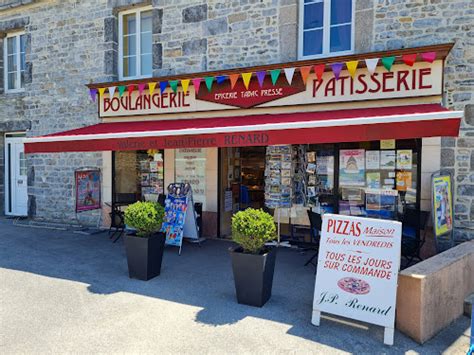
pixel 252 228
pixel 145 217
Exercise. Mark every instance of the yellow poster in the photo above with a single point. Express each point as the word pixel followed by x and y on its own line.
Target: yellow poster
pixel 442 200
pixel 403 180
pixel 387 144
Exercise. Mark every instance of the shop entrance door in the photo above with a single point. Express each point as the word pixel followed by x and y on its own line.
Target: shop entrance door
pixel 16 188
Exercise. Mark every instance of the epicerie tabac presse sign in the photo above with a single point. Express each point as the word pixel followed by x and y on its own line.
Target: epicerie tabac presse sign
pixel 358 266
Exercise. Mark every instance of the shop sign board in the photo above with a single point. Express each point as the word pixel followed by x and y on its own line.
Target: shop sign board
pixel 357 272
pixel 87 190
pixel 402 81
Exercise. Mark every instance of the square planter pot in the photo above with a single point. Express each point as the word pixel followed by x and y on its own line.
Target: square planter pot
pixel 253 276
pixel 144 255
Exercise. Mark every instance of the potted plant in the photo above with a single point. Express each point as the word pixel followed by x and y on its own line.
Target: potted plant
pixel 144 247
pixel 253 263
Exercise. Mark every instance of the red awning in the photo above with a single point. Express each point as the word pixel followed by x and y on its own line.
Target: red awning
pixel 400 122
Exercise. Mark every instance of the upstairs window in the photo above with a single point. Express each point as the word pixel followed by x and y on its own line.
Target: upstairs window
pixel 326 27
pixel 14 59
pixel 135 44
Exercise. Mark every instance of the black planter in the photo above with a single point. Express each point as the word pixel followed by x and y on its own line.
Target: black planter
pixel 253 276
pixel 144 255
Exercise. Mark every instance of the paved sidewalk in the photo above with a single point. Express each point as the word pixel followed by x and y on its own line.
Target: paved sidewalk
pixel 68 293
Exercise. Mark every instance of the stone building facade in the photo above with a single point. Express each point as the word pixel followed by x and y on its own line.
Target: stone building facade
pixel 71 43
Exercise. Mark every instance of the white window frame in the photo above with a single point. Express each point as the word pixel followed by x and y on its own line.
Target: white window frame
pixel 17 36
pixel 137 13
pixel 326 32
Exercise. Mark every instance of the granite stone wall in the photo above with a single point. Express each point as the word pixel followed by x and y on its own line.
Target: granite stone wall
pixel 401 24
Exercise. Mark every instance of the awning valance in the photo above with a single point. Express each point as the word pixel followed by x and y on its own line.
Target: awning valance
pixel 365 124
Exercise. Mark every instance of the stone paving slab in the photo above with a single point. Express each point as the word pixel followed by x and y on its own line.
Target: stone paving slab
pixel 67 293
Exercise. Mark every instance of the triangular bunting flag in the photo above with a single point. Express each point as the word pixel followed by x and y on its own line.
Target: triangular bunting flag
pixel 220 79
pixel 93 94
pixel 304 71
pixel 141 88
pixel 101 92
pixel 289 72
pixel 319 70
pixel 209 80
pixel 121 90
pixel 185 85
pixel 388 62
pixel 246 78
pixel 151 88
pixel 130 89
pixel 428 56
pixel 352 67
pixel 174 85
pixel 197 84
pixel 371 64
pixel 409 59
pixel 275 73
pixel 111 91
pixel 233 80
pixel 261 77
pixel 163 85
pixel 336 69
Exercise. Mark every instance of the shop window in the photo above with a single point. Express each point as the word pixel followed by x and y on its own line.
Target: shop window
pixel 135 44
pixel 379 183
pixel 190 167
pixel 14 59
pixel 138 176
pixel 326 27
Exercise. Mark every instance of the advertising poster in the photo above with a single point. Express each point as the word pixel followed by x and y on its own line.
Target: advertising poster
pixel 387 144
pixel 352 167
pixel 403 180
pixel 190 167
pixel 387 160
pixel 176 205
pixel 442 201
pixel 404 159
pixel 372 160
pixel 373 180
pixel 358 267
pixel 87 190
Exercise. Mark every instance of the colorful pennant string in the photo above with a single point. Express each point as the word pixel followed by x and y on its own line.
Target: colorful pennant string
pixel 319 70
pixel 196 84
pixel 304 71
pixel 220 79
pixel 141 88
pixel 352 67
pixel 409 59
pixel 174 85
pixel 246 79
pixel 121 90
pixel 371 64
pixel 289 72
pixel 209 80
pixel 336 69
pixel 428 56
pixel 233 80
pixel 275 73
pixel 388 62
pixel 261 77
pixel 163 85
pixel 93 94
pixel 185 85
